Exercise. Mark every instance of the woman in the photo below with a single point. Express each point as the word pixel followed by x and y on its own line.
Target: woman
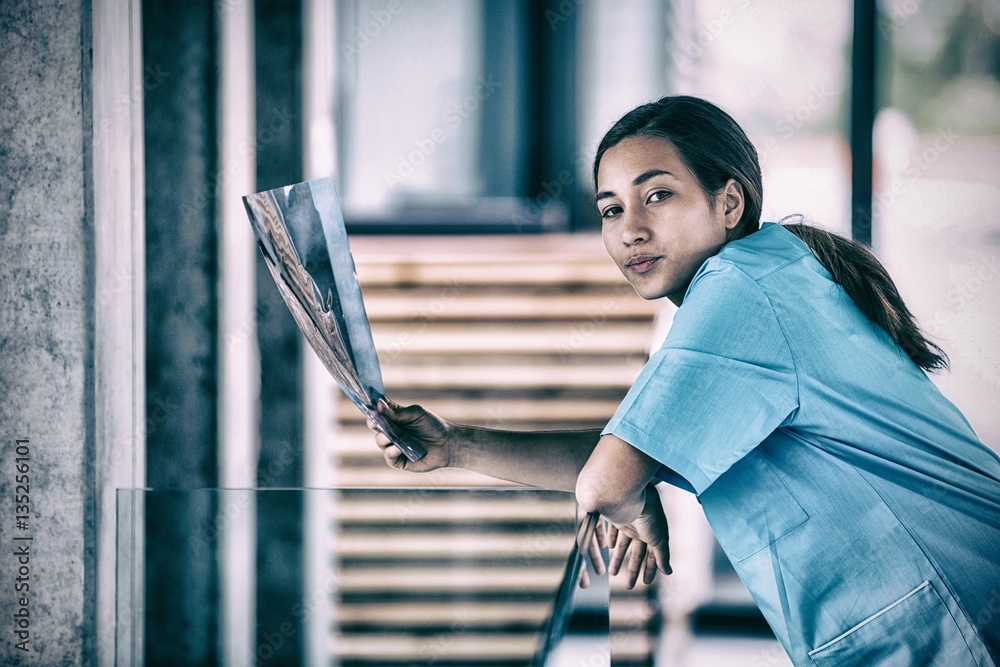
pixel 854 500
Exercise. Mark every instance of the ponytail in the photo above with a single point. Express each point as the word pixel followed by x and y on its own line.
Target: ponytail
pixel 855 268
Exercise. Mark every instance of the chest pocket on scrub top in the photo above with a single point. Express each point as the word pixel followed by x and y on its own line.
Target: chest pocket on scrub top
pixel 749 507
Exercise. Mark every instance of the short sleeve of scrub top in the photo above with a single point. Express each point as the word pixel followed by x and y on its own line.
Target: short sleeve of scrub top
pixel 723 380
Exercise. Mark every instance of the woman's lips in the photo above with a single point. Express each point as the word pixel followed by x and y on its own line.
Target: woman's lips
pixel 642 264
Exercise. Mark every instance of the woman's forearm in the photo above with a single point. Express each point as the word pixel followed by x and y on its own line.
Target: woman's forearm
pixel 546 459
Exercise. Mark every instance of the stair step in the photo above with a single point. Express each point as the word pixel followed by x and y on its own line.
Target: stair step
pixel 625 614
pixel 476 410
pixel 478 376
pixel 451 579
pixel 518 547
pixel 561 339
pixel 384 476
pixel 427 307
pixel 417 509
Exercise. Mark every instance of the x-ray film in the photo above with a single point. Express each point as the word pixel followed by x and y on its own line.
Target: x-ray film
pixel 300 231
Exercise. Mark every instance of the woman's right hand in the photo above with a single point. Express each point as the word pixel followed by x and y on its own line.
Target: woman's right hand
pixel 649 538
pixel 434 433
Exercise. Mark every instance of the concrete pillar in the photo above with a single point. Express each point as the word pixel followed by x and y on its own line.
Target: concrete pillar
pixel 319 101
pixel 182 583
pixel 280 624
pixel 119 83
pixel 46 293
pixel 70 290
pixel 239 365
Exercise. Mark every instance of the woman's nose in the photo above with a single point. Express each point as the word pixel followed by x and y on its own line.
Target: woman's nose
pixel 636 228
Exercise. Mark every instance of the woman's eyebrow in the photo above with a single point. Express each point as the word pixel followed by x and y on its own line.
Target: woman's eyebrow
pixel 638 180
pixel 646 175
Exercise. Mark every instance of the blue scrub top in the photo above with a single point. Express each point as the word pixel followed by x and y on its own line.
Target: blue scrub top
pixel 854 500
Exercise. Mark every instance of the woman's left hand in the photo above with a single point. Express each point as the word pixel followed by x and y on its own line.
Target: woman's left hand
pixel 645 541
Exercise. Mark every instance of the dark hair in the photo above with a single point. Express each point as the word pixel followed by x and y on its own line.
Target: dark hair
pixel 712 145
pixel 855 268
pixel 715 148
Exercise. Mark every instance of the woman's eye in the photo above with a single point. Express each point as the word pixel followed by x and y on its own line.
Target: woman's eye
pixel 611 212
pixel 658 195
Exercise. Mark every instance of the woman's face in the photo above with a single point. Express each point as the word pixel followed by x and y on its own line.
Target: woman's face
pixel 658 224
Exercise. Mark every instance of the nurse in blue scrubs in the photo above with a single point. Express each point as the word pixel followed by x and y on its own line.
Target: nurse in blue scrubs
pixel 854 500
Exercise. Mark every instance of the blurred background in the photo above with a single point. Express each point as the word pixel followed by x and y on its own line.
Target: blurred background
pixel 460 134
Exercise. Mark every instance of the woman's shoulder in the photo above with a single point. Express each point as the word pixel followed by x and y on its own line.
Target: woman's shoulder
pixel 765 251
pixel 760 262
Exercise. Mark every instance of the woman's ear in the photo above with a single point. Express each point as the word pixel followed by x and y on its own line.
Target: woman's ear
pixel 732 203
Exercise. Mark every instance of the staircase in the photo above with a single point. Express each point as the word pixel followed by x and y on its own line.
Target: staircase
pixel 513 332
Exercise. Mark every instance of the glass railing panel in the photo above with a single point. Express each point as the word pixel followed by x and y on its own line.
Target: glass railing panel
pixel 354 577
